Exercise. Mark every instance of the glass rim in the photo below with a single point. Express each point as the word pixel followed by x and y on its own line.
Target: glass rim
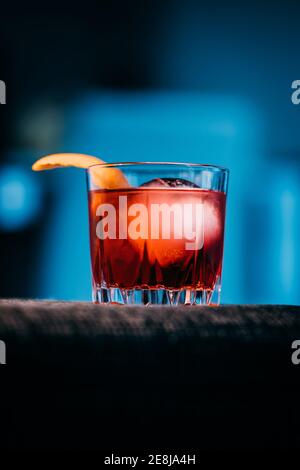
pixel 205 166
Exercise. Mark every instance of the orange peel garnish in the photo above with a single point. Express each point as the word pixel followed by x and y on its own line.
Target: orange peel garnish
pixel 104 177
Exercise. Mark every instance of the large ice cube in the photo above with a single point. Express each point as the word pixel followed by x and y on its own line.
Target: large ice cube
pixel 173 250
pixel 166 183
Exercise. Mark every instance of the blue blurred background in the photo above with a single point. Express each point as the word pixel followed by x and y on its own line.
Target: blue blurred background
pixel 150 80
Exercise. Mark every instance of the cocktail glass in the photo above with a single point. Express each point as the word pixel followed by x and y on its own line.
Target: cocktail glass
pixel 159 238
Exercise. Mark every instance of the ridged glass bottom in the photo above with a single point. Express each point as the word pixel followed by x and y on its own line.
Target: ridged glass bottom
pixel 140 296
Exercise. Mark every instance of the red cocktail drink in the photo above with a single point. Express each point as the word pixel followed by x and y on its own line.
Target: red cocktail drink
pixel 156 229
pixel 149 239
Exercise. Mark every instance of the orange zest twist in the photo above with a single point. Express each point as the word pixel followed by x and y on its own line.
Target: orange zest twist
pixel 104 177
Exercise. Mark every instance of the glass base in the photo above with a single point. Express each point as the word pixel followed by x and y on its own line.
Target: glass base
pixel 140 296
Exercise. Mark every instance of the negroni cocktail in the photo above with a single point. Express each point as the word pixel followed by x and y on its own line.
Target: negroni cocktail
pixel 156 229
pixel 159 242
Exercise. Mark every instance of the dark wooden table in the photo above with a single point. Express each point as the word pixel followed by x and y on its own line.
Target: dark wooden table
pixel 80 375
